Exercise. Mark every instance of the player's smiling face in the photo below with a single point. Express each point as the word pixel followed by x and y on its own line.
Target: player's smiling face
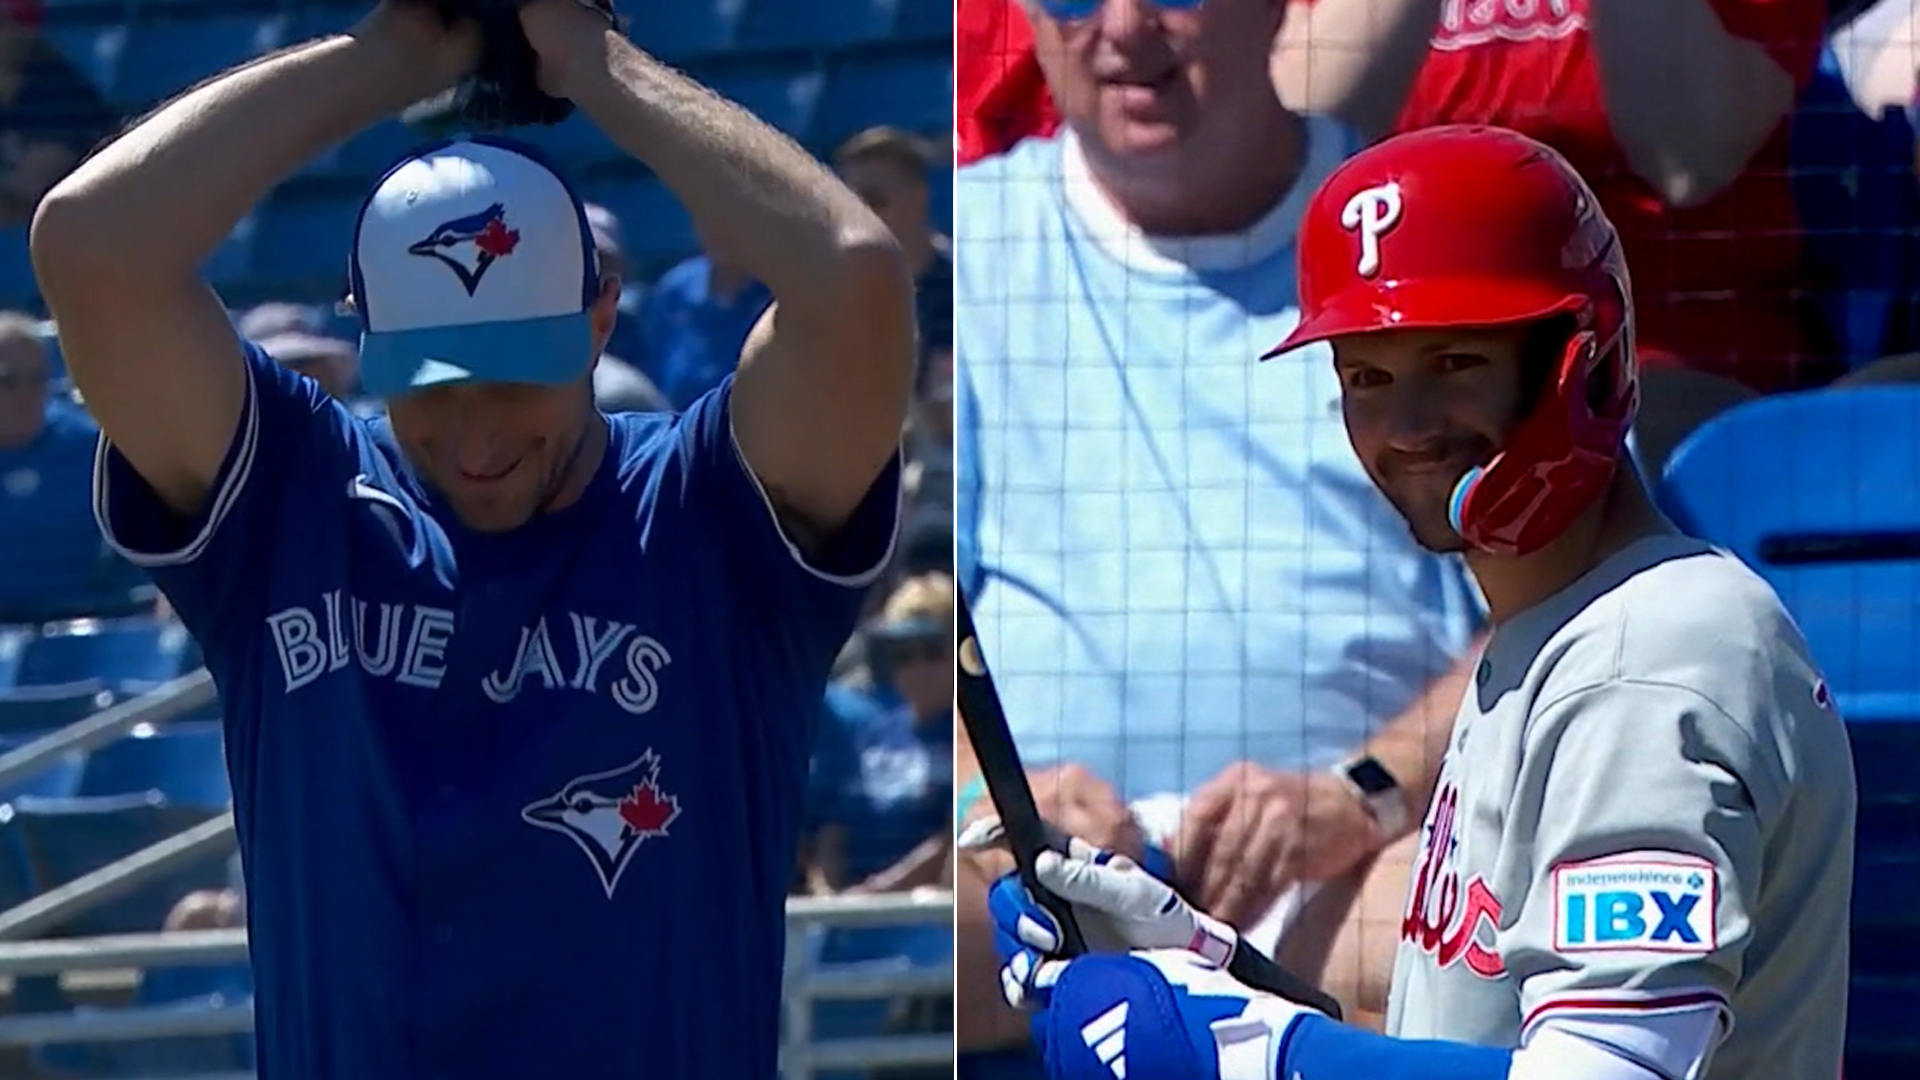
pixel 1137 80
pixel 495 452
pixel 1424 406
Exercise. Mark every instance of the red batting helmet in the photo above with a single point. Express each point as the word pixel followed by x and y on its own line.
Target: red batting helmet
pixel 1472 227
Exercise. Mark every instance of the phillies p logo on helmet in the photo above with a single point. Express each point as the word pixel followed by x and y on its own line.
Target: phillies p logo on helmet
pixel 1372 213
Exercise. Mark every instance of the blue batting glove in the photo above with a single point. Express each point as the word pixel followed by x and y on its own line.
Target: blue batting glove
pixel 1158 1014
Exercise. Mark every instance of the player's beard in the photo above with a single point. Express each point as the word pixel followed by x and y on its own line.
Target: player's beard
pixel 1422 492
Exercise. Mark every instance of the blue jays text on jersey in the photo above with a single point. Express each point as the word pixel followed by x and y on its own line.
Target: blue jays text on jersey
pixel 408 643
pixel 522 804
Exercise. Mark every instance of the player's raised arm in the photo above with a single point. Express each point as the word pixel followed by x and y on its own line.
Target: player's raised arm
pixel 118 244
pixel 825 377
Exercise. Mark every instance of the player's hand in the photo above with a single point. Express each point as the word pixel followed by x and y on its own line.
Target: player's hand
pixel 1251 833
pixel 445 51
pixel 569 38
pixel 1164 1013
pixel 1119 905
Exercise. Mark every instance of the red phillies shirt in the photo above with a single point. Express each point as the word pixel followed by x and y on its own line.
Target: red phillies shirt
pixel 1713 285
pixel 1000 97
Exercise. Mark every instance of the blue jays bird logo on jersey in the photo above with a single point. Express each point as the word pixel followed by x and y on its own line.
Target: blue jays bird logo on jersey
pixel 468 245
pixel 609 814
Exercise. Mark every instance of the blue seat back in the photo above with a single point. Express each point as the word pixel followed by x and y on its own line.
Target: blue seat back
pixel 132 651
pixel 184 763
pixel 67 838
pixel 34 710
pixel 1820 493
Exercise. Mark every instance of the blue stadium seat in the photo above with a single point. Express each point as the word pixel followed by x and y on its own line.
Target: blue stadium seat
pixel 184 763
pixel 16 870
pixel 574 145
pixel 940 200
pixel 783 91
pixel 17 285
pixel 775 25
pixel 12 640
pixel 376 149
pixel 1820 493
pixel 305 238
pixel 926 21
pixel 682 32
pixel 33 710
pixel 67 838
pixel 94 49
pixel 912 89
pixel 656 225
pixel 165 55
pixel 59 780
pixel 140 652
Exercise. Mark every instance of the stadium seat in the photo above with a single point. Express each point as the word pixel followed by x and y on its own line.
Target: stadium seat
pixel 923 21
pixel 574 145
pixel 16 872
pixel 59 780
pixel 167 54
pixel 658 230
pixel 1820 493
pixel 18 289
pixel 34 710
pixel 783 91
pixel 184 763
pixel 12 640
pixel 682 32
pixel 911 89
pixel 67 838
pixel 778 25
pixel 94 49
pixel 305 237
pixel 376 149
pixel 137 652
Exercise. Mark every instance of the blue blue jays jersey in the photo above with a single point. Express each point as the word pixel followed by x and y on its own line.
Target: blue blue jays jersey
pixel 520 805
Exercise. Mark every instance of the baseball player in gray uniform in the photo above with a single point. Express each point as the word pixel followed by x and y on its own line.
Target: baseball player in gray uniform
pixel 1638 859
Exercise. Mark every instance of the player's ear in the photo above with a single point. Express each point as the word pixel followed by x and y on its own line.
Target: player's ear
pixel 605 310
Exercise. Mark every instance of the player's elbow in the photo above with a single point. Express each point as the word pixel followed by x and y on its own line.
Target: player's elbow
pixel 58 239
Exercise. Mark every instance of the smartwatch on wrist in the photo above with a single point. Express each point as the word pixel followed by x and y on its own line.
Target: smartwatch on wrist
pixel 1379 792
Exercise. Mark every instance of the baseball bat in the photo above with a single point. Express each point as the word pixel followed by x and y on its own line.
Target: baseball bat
pixel 986 723
pixel 1027 833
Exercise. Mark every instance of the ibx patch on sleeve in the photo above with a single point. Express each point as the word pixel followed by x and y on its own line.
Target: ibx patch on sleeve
pixel 1637 901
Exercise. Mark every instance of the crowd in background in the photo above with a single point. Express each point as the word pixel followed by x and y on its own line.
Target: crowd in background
pixel 882 778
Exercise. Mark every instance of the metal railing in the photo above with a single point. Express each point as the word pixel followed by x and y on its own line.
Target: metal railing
pixel 805 983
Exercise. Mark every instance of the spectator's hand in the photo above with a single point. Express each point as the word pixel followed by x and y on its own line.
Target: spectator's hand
pixel 1077 803
pixel 1083 805
pixel 1251 833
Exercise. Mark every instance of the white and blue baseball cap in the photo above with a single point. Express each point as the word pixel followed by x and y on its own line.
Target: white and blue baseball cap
pixel 473 261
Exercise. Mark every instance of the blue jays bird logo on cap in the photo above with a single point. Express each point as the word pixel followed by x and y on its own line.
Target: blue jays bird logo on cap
pixel 470 244
pixel 609 814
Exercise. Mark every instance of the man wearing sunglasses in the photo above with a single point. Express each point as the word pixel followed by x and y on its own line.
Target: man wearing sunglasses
pixel 1208 628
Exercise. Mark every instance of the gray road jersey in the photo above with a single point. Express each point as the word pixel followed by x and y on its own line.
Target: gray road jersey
pixel 1648 802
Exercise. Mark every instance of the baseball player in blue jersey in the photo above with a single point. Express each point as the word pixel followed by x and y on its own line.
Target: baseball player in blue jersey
pixel 519 697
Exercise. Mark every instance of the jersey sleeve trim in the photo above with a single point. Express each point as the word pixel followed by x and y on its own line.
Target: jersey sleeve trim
pixel 859 580
pixel 1624 1001
pixel 232 483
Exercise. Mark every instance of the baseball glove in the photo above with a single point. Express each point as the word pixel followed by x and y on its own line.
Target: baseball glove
pixel 504 89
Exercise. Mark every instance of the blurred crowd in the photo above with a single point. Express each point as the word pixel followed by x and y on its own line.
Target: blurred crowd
pixel 884 724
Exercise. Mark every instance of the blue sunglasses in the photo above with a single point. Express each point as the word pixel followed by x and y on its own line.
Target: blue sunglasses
pixel 1079 10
